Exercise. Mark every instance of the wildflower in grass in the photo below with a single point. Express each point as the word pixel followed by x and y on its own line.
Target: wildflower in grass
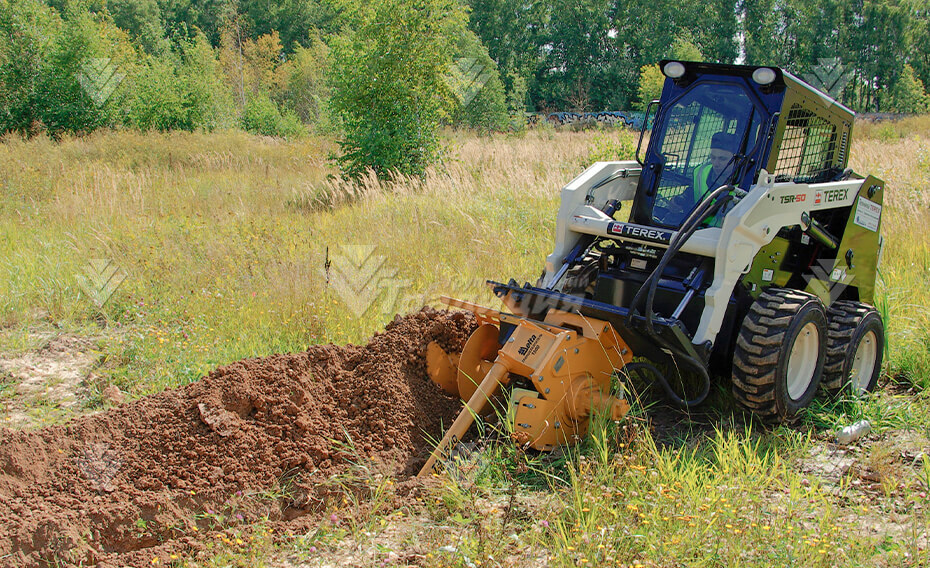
pixel 544 524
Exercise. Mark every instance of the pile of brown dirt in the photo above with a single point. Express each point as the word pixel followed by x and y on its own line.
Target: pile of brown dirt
pixel 146 478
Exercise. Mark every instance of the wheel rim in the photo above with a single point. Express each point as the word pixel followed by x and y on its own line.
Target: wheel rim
pixel 803 360
pixel 864 363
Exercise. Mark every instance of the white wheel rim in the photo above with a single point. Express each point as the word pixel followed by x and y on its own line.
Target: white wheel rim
pixel 802 362
pixel 864 363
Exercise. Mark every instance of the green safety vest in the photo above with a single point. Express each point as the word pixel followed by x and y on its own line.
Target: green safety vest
pixel 699 187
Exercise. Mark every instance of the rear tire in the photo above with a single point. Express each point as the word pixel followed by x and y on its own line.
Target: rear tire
pixel 855 344
pixel 779 357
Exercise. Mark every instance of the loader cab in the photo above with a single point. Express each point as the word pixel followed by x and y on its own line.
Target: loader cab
pixel 702 104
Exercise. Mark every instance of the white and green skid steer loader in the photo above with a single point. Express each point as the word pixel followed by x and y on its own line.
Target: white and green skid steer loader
pixel 737 247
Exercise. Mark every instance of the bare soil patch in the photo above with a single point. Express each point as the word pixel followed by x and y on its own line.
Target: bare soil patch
pixel 257 438
pixel 49 379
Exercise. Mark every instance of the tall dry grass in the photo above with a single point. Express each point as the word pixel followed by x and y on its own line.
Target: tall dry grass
pixel 225 237
pixel 904 281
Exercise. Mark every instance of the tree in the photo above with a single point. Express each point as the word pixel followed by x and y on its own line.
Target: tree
pixel 59 74
pixel 908 94
pixel 183 18
pixel 181 89
pixel 293 20
pixel 389 83
pixel 307 92
pixel 919 39
pixel 514 34
pixel 651 78
pixel 476 83
pixel 142 19
pixel 877 48
pixel 651 81
pixel 582 65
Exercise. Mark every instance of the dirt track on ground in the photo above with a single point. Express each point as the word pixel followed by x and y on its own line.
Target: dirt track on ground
pixel 256 438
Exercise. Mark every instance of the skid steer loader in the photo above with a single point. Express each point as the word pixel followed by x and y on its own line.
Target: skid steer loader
pixel 738 247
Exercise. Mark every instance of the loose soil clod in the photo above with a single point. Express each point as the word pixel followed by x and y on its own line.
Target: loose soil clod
pixel 117 488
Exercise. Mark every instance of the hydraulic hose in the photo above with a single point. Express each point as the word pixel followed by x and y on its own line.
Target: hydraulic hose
pixel 669 392
pixel 701 212
pixel 675 246
pixel 705 209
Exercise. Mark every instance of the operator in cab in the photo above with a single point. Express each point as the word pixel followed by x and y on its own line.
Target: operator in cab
pixel 718 169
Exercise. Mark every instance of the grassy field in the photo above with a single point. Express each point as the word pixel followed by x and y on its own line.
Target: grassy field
pixel 227 245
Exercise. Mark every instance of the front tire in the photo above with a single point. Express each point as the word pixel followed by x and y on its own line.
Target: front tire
pixel 855 344
pixel 779 357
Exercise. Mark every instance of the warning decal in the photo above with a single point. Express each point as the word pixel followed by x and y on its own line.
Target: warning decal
pixel 868 214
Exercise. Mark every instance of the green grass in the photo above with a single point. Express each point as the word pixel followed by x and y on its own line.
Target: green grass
pixel 224 240
pixel 903 296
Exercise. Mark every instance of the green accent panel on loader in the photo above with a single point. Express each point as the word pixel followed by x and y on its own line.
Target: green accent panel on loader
pixel 769 258
pixel 861 237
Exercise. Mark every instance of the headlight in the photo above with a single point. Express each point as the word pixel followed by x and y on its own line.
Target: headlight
pixel 763 75
pixel 673 69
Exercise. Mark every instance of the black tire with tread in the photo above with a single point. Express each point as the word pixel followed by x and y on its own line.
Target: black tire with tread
pixel 764 344
pixel 848 323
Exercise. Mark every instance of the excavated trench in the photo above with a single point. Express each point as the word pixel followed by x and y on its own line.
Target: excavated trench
pixel 259 438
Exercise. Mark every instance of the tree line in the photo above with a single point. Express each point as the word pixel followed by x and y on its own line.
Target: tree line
pixel 363 69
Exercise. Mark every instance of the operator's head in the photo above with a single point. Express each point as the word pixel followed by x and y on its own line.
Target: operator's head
pixel 722 148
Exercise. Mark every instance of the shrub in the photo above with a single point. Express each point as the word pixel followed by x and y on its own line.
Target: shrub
pixel 58 75
pixel 262 116
pixel 390 83
pixel 180 90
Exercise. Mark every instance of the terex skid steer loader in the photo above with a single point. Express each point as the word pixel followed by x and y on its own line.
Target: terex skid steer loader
pixel 738 247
